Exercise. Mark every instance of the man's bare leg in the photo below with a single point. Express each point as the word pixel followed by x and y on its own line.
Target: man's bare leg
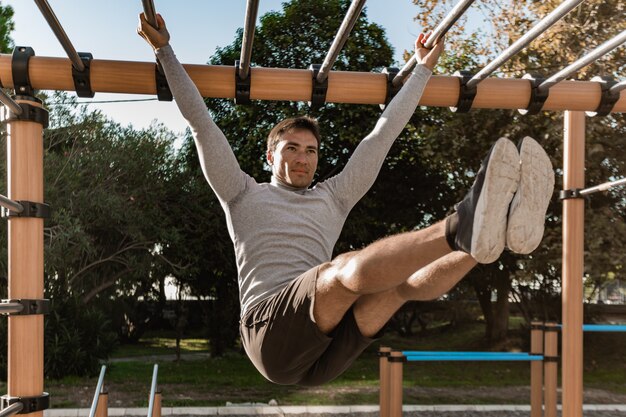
pixel 478 228
pixel 373 311
pixel 377 268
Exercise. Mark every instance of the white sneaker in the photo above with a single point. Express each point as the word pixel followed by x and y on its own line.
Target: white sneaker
pixel 527 213
pixel 482 214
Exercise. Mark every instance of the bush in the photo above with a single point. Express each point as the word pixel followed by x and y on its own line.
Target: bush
pixel 77 338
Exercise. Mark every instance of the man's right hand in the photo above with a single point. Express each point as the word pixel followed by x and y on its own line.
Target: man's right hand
pixel 156 37
pixel 425 56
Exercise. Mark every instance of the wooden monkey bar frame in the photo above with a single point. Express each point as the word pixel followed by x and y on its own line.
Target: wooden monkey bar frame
pixel 218 81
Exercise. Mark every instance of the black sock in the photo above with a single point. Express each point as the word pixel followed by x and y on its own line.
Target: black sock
pixel 452 222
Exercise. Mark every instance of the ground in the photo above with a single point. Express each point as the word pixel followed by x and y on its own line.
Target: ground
pixel 178 395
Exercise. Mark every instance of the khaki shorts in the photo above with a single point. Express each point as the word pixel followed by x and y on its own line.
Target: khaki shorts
pixel 284 343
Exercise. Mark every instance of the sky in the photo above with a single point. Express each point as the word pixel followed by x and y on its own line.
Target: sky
pixel 107 29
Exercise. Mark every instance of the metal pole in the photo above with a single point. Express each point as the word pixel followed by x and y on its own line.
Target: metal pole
pixel 522 42
pixel 12 409
pixel 601 50
pixel 6 308
pixel 149 11
pixel 10 103
pixel 10 204
pixel 252 10
pixel 603 187
pixel 340 38
pixel 153 388
pixel 442 28
pixel 56 27
pixel 618 87
pixel 96 395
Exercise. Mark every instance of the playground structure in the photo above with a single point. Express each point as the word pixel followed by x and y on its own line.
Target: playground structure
pixel 25 119
pixel 543 358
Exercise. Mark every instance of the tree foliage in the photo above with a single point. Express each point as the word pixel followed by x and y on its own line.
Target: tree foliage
pixel 536 278
pixel 110 188
pixel 6 27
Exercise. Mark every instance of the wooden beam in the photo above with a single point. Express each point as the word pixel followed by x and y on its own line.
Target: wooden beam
pixel 25 182
pixel 217 81
pixel 573 265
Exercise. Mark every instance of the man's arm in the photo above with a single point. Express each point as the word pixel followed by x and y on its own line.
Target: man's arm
pixel 364 165
pixel 218 162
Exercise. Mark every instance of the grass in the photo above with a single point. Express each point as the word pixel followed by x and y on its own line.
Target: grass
pixel 161 345
pixel 232 378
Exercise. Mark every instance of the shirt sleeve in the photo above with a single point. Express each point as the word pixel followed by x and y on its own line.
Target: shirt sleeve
pixel 361 170
pixel 218 162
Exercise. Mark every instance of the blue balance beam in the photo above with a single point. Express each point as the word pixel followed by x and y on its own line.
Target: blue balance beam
pixel 474 356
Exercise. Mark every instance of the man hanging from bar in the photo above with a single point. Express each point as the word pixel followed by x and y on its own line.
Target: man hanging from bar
pixel 304 316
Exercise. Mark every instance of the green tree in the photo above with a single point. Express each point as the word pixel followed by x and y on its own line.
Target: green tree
pixel 110 189
pixel 535 280
pixel 6 27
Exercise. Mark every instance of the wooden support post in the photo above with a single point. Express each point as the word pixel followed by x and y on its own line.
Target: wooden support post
pixel 156 411
pixel 102 410
pixel 573 263
pixel 396 360
pixel 551 369
pixel 25 182
pixel 383 365
pixel 218 81
pixel 536 370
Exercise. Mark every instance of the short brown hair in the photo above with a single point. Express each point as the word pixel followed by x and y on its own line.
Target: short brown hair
pixel 292 123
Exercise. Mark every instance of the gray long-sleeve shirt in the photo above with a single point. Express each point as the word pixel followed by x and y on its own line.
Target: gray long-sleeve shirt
pixel 280 232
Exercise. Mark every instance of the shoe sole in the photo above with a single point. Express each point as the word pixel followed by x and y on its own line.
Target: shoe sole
pixel 490 216
pixel 528 208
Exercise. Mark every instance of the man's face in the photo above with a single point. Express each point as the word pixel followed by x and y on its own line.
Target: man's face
pixel 294 161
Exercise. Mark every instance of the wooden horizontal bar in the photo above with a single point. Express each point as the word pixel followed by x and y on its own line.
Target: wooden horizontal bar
pixel 217 81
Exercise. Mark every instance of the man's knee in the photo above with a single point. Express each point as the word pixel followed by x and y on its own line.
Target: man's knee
pixel 341 274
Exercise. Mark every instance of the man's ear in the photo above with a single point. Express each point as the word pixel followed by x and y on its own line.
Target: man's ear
pixel 270 157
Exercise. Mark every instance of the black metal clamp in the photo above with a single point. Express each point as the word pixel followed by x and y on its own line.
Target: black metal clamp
pixel 82 79
pixel 19 69
pixel 23 89
pixel 572 193
pixel 402 359
pixel 392 90
pixel 607 99
pixel 466 94
pixel 537 326
pixel 242 87
pixel 31 209
pixel 29 113
pixel 31 404
pixel 162 87
pixel 29 307
pixel 318 89
pixel 537 97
